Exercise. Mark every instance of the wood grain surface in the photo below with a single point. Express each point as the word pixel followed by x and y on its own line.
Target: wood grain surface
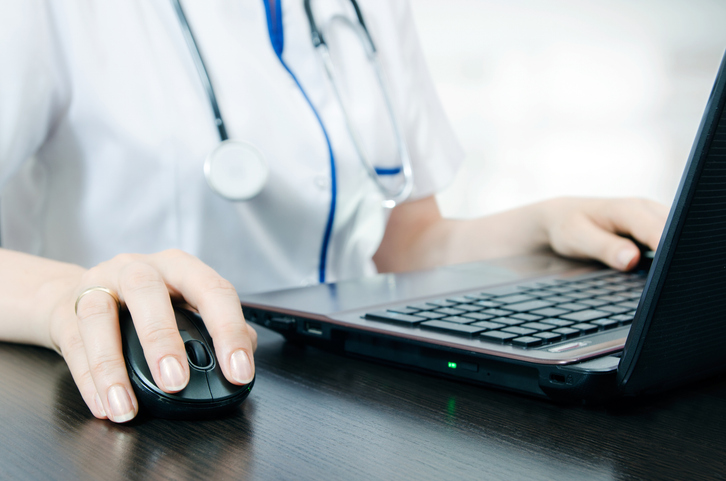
pixel 316 415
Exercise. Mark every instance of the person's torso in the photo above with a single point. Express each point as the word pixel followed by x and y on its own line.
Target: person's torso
pixel 123 169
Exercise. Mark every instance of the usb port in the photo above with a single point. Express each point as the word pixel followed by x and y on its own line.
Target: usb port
pixel 315 328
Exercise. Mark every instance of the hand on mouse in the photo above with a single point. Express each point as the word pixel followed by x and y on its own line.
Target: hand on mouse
pixel 45 294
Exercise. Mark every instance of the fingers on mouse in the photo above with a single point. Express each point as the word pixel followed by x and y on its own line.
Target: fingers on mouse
pixel 208 393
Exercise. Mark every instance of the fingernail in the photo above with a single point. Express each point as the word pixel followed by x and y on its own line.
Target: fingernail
pixel 172 374
pixel 625 257
pixel 241 367
pixel 99 404
pixel 120 403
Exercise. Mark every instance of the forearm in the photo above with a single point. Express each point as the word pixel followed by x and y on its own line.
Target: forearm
pixel 419 238
pixel 30 287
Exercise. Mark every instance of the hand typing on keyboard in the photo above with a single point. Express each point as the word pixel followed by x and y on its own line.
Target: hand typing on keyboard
pixel 418 237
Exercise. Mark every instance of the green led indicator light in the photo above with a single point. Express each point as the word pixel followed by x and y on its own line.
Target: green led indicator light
pixel 452 365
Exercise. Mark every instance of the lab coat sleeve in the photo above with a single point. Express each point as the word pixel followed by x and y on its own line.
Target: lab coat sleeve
pixel 33 91
pixel 434 149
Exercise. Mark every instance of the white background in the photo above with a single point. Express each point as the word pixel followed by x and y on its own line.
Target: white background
pixel 570 97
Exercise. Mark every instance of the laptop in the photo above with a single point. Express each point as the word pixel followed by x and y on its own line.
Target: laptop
pixel 543 325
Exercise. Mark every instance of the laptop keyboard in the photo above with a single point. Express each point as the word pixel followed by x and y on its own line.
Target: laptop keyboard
pixel 528 315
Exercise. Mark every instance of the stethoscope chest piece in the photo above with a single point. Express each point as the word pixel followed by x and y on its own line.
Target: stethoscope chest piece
pixel 236 170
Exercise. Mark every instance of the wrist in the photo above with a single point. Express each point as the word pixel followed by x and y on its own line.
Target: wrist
pixel 31 290
pixel 547 219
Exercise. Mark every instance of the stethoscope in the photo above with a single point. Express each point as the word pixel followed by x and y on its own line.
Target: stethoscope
pixel 238 171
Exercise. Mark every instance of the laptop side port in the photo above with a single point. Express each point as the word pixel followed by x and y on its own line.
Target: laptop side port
pixel 314 328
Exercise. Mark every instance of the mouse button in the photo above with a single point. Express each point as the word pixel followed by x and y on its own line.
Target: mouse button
pixel 197 389
pixel 201 329
pixel 198 355
pixel 186 324
pixel 219 386
pixel 186 336
pixel 133 352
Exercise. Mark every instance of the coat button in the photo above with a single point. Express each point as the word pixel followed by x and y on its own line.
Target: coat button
pixel 322 182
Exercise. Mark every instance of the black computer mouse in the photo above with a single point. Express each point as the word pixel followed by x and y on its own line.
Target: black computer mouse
pixel 208 393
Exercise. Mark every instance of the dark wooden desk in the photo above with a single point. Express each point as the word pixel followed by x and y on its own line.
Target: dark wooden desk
pixel 314 415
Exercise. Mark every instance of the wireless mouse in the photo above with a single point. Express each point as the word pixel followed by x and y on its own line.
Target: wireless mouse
pixel 208 393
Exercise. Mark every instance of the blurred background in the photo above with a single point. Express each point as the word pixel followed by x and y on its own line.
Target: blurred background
pixel 570 97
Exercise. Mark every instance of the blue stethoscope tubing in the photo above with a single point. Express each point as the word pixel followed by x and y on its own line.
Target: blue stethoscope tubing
pixel 251 156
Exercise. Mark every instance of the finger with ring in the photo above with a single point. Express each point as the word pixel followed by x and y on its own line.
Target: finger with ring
pixel 97 288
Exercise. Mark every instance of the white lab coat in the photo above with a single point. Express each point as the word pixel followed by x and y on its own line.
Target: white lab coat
pixel 104 127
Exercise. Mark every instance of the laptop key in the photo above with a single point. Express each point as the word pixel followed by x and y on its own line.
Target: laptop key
pixel 558 299
pixel 520 331
pixel 513 299
pixel 457 319
pixel 557 322
pixel 549 336
pixel 509 321
pixel 595 302
pixel 527 341
pixel 631 304
pixel 599 291
pixel 573 306
pixel 538 326
pixel 577 295
pixel 615 309
pixel 584 316
pixel 539 293
pixel 449 311
pixel 403 310
pixel 617 288
pixel 585 328
pixel 441 303
pixel 567 332
pixel 469 307
pixel 487 303
pixel 529 305
pixel 394 318
pixel 489 325
pixel 452 328
pixel 477 316
pixel 497 312
pixel 562 289
pixel 606 323
pixel 550 312
pixel 431 314
pixel 613 299
pixel 497 336
pixel 526 316
pixel 422 307
pixel 623 319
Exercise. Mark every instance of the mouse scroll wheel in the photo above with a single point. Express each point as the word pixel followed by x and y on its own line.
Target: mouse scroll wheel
pixel 198 354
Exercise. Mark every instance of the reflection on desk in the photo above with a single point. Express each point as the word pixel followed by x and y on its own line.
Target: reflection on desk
pixel 316 415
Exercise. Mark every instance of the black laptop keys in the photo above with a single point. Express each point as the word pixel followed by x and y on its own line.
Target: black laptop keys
pixel 527 316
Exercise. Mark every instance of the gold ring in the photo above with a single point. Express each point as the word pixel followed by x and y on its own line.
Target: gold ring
pixel 98 288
